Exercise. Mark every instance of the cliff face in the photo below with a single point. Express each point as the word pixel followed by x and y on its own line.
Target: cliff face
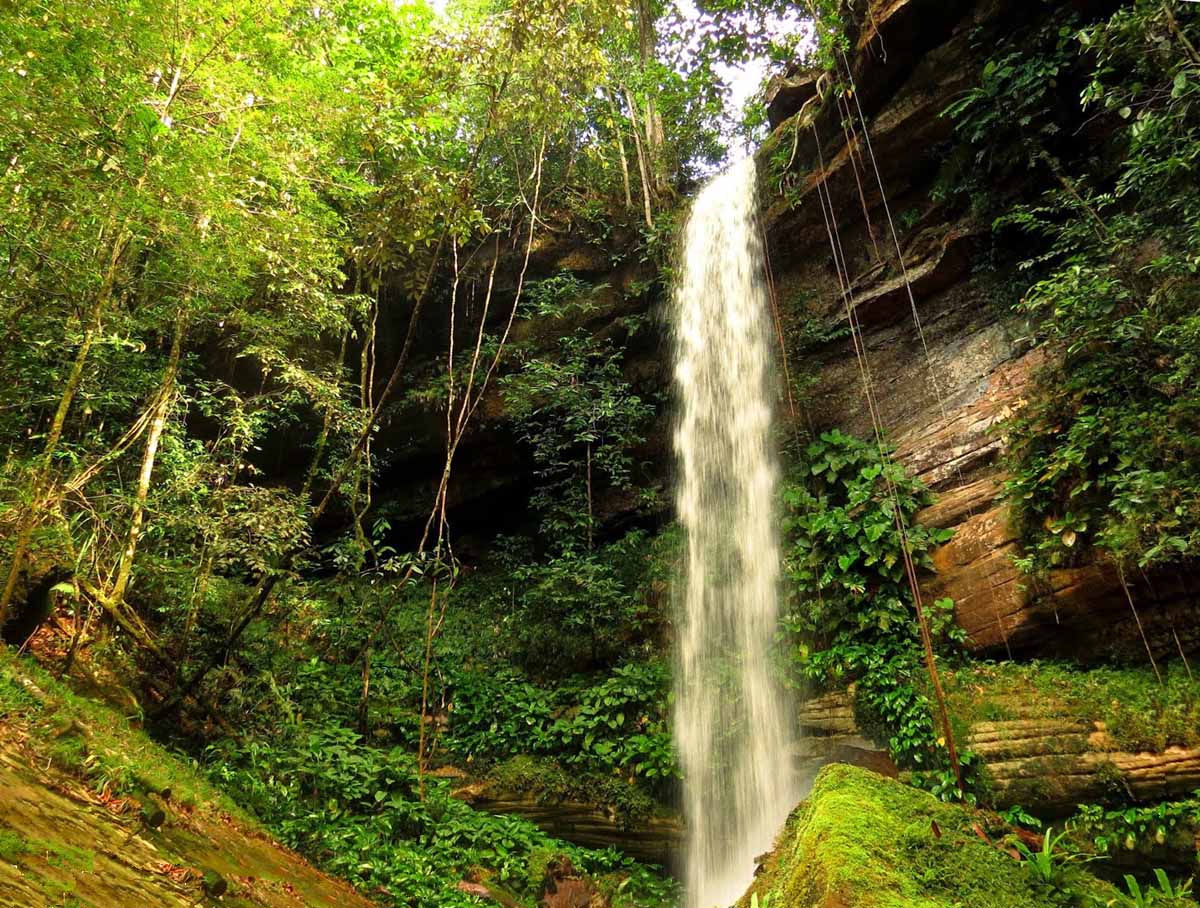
pixel 950 362
pixel 949 359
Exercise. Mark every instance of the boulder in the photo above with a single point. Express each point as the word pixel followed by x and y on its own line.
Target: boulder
pixel 863 840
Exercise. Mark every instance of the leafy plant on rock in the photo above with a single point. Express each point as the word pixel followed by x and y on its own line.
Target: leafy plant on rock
pixel 1104 456
pixel 849 606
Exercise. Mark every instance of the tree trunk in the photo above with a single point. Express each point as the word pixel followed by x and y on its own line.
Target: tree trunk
pixel 590 517
pixel 652 120
pixel 41 476
pixel 616 113
pixel 643 166
pixel 166 394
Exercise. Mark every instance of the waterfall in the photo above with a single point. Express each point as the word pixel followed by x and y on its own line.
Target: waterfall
pixel 732 724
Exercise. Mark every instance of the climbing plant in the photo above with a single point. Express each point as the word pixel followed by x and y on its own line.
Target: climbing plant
pixel 849 608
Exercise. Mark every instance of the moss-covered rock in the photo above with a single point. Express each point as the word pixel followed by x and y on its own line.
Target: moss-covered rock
pixel 865 841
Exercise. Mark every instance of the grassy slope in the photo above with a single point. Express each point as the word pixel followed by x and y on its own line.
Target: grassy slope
pixel 76 778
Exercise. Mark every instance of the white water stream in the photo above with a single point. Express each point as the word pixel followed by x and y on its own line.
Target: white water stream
pixel 732 724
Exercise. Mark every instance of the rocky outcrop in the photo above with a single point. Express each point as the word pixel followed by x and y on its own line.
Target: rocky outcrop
pixel 1057 763
pixel 656 839
pixel 1043 750
pixel 830 734
pixel 1040 744
pixel 863 840
pixel 948 360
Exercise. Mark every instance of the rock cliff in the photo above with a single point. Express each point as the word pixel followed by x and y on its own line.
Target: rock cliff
pixel 948 359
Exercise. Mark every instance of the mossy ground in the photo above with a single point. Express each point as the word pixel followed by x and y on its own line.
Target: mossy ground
pixel 547 782
pixel 93 741
pixel 1139 712
pixel 74 775
pixel 864 841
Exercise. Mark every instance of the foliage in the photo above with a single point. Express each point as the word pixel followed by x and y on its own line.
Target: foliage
pixel 355 809
pixel 578 608
pixel 1047 863
pixel 581 420
pixel 1011 121
pixel 1104 456
pixel 1129 828
pixel 619 723
pixel 1155 895
pixel 849 607
pixel 217 223
pixel 548 782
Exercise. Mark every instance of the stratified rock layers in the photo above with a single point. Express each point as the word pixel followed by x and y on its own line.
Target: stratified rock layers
pixel 948 357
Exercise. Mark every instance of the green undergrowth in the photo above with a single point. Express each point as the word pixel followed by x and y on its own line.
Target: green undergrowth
pixel 1140 832
pixel 863 840
pixel 330 765
pixel 362 811
pixel 352 808
pixel 548 782
pixel 616 723
pixel 94 742
pixel 849 613
pixel 1139 713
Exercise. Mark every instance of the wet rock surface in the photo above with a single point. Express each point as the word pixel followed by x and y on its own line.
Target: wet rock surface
pixel 949 361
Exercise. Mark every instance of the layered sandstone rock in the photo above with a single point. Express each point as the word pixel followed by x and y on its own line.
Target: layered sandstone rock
pixel 947 358
pixel 1038 752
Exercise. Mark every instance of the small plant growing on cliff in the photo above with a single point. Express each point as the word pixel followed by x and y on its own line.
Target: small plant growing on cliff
pixel 1137 827
pixel 1153 895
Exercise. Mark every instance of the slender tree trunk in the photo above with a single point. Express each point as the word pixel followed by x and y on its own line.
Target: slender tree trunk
pixel 617 118
pixel 41 476
pixel 1173 25
pixel 104 295
pixel 430 633
pixel 643 167
pixel 364 702
pixel 266 584
pixel 652 120
pixel 199 593
pixel 166 394
pixel 591 520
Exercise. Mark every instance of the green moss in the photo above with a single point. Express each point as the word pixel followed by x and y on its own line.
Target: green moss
pixel 66 857
pixel 548 783
pixel 93 741
pixel 1139 712
pixel 539 860
pixel 871 842
pixel 13 846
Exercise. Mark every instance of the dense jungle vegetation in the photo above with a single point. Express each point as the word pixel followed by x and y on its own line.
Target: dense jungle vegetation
pixel 254 254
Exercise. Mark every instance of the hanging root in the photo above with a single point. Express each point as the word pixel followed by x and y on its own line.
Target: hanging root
pixel 1137 618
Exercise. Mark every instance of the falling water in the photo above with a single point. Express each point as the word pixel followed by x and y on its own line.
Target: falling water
pixel 731 720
